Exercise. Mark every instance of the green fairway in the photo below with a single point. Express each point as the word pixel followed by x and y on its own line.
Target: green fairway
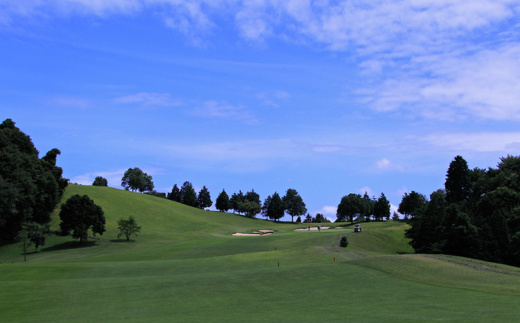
pixel 186 266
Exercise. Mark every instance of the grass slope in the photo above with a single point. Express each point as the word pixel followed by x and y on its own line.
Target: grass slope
pixel 186 266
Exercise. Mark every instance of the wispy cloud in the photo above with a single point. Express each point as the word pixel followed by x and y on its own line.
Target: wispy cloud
pixel 366 189
pixel 149 99
pixel 224 110
pixel 72 102
pixel 113 177
pixel 273 98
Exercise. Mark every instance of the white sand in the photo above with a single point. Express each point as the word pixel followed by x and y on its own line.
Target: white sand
pixel 312 228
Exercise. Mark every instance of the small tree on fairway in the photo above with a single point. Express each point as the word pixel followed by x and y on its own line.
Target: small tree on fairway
pixel 343 242
pixel 80 214
pixel 222 202
pixel 100 181
pixel 204 198
pixel 128 227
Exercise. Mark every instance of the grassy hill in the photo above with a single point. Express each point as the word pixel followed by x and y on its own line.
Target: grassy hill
pixel 186 266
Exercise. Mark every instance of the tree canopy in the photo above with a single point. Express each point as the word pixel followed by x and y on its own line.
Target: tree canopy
pixel 293 204
pixel 30 187
pixel 276 207
pixel 477 215
pixel 204 198
pixel 80 214
pixel 136 180
pixel 381 208
pixel 188 195
pixel 175 194
pixel 100 181
pixel 128 228
pixel 222 204
pixel 350 206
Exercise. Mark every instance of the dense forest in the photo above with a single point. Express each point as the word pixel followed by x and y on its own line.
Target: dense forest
pixel 477 215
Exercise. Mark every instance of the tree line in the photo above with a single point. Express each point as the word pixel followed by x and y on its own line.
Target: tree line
pixel 363 208
pixel 477 214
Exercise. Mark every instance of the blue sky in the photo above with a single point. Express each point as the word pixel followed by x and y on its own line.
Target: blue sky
pixel 326 97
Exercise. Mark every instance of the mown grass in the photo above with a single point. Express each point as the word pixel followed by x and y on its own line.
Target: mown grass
pixel 186 267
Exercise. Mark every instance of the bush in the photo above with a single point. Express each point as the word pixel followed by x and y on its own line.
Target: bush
pixel 343 242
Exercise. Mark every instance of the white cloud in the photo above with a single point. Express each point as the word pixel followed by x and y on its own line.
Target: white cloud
pixel 72 102
pixel 327 210
pixel 273 98
pixel 113 177
pixel 149 99
pixel 479 142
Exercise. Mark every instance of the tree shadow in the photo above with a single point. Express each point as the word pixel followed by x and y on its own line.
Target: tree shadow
pixel 70 245
pixel 121 240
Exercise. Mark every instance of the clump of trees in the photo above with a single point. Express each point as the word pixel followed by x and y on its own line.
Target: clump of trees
pixel 363 207
pixel 30 187
pixel 343 243
pixel 136 180
pixel 477 214
pixel 100 181
pixel 187 195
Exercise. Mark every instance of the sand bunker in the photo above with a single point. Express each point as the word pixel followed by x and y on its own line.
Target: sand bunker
pixel 255 233
pixel 312 229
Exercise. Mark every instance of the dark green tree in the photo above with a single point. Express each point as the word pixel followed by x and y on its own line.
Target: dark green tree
pixel 276 207
pixel 381 208
pixel 457 183
pixel 265 206
pixel 100 181
pixel 249 208
pixel 128 228
pixel 368 208
pixel 299 220
pixel 308 219
pixel 188 195
pixel 79 214
pixel 293 203
pixel 222 203
pixel 30 187
pixel 204 198
pixel 350 206
pixel 425 233
pixel 175 194
pixel 343 243
pixel 235 201
pixel 136 180
pixel 412 204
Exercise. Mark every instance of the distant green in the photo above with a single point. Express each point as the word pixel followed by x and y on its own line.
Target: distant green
pixel 185 266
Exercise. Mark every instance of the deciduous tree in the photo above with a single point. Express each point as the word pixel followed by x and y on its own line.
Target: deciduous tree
pixel 100 181
pixel 79 214
pixel 128 228
pixel 293 204
pixel 136 180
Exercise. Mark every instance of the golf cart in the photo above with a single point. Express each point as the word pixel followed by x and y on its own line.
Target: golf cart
pixel 357 228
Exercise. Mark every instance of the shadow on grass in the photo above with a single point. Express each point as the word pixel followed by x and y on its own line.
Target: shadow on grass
pixel 405 252
pixel 70 245
pixel 121 240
